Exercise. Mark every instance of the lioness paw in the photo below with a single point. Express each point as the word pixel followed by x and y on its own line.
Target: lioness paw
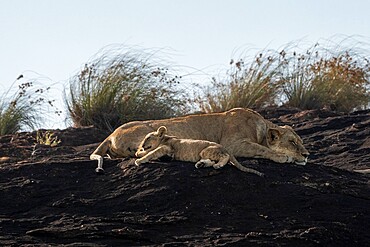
pixel 99 170
pixel 289 159
pixel 282 158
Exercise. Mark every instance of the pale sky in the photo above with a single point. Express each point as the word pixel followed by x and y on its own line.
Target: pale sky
pixel 56 38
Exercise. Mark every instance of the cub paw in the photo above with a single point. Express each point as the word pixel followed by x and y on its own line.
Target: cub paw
pixel 200 164
pixel 204 163
pixel 289 159
pixel 217 166
pixel 137 162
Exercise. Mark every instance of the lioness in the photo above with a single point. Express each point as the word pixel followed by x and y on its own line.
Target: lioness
pixel 157 144
pixel 242 132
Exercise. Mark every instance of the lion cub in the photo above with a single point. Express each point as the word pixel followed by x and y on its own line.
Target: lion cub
pixel 205 153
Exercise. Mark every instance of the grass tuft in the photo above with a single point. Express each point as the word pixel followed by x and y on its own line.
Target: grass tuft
pixel 335 77
pixel 244 85
pixel 123 84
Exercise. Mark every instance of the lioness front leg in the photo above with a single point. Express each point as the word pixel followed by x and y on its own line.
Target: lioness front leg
pixel 154 154
pixel 246 149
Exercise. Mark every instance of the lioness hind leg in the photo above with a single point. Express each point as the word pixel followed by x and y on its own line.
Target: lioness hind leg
pixel 204 163
pixel 99 158
pixel 98 154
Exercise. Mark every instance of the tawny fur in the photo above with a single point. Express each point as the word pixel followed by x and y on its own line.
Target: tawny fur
pixel 363 171
pixel 157 144
pixel 242 132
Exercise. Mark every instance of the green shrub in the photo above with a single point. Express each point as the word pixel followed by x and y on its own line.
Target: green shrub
pixel 245 85
pixel 123 85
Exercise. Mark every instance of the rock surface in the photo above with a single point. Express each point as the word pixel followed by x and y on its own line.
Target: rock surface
pixel 52 196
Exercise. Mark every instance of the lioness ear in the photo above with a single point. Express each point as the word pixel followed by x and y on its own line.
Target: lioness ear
pixel 273 135
pixel 161 131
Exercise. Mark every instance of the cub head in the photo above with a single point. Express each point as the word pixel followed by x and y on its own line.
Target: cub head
pixel 285 140
pixel 151 141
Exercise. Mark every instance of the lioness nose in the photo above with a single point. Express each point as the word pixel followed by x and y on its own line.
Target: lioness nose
pixel 305 154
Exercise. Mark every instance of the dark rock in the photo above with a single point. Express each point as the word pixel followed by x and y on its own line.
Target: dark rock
pixel 55 198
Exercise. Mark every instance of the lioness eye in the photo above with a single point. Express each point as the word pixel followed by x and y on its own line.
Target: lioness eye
pixel 293 143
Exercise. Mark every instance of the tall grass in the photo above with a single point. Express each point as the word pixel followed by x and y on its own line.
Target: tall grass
pixel 121 85
pixel 246 84
pixel 335 77
pixel 332 74
pixel 22 107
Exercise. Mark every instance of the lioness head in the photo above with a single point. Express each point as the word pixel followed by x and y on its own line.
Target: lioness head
pixel 285 140
pixel 151 141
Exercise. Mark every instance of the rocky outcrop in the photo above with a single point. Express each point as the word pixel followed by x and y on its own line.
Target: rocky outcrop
pixel 52 196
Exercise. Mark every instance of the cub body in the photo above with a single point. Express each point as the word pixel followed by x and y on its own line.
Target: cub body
pixel 204 153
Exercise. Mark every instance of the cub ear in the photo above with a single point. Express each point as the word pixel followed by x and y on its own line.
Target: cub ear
pixel 161 131
pixel 287 127
pixel 273 135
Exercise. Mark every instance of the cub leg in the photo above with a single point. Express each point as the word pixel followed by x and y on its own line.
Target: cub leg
pixel 154 154
pixel 215 153
pixel 223 160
